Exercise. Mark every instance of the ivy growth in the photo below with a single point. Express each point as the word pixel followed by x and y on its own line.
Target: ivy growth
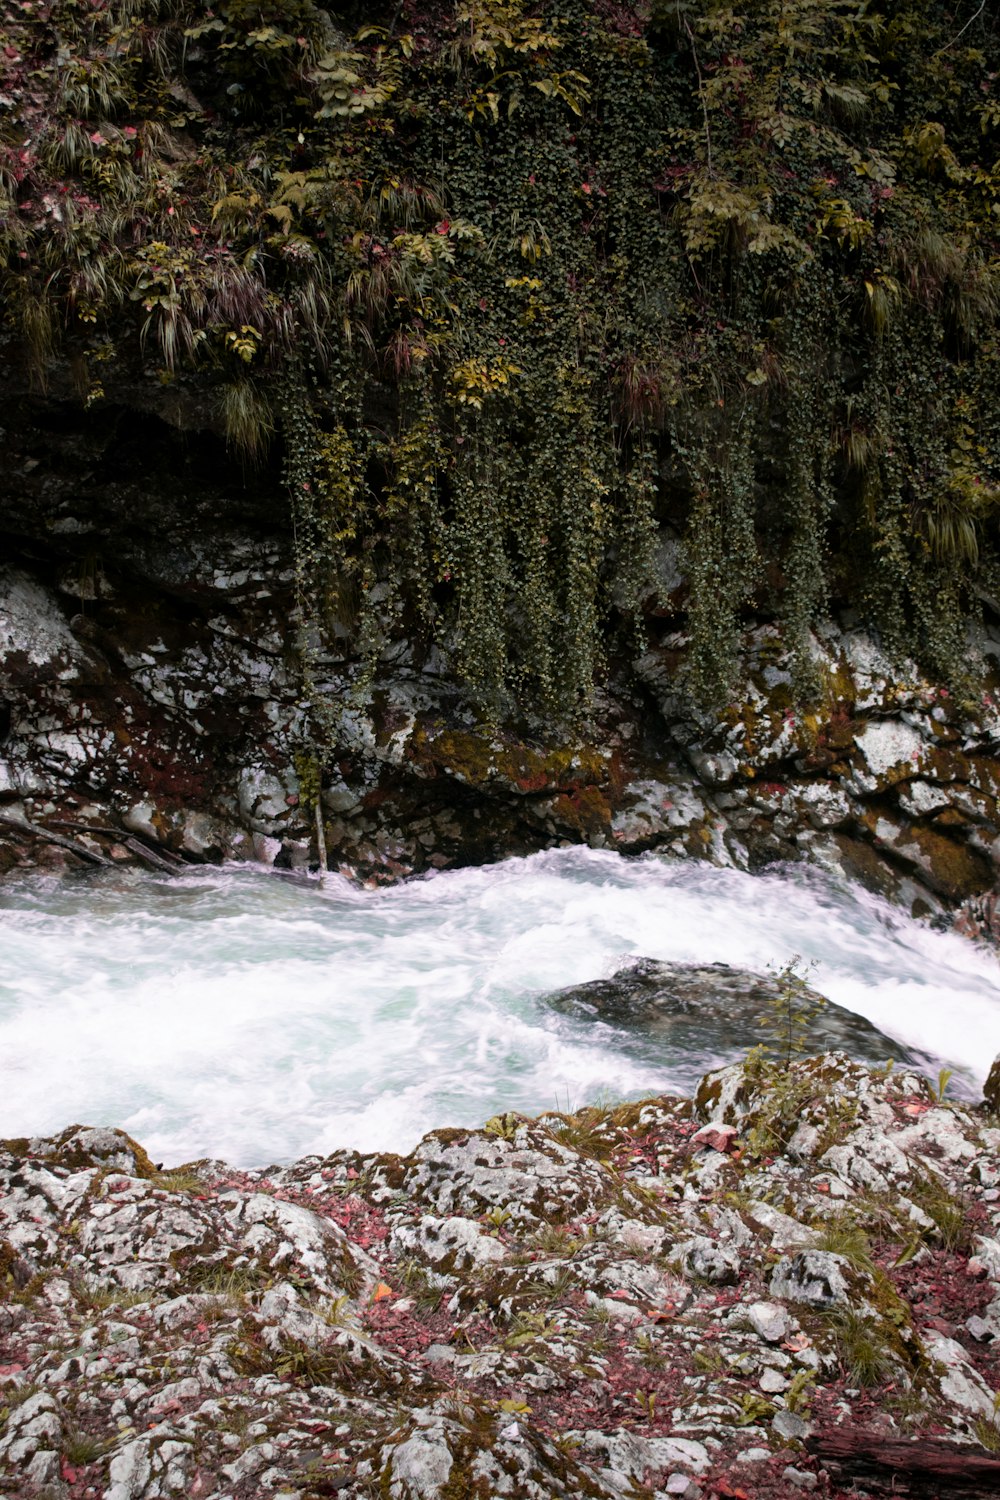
pixel 514 285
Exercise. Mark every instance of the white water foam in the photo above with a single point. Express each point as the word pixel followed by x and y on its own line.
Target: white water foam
pixel 245 1015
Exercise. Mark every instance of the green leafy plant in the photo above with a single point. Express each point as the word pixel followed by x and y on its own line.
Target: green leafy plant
pixel 790 1012
pixel 511 295
pixel 944 1078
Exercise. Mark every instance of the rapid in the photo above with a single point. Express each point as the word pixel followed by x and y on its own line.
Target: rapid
pixel 242 1014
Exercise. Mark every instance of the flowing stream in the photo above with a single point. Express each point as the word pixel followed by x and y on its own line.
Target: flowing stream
pixel 246 1015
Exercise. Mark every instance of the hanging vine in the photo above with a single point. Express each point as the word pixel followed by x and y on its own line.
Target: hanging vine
pixel 514 286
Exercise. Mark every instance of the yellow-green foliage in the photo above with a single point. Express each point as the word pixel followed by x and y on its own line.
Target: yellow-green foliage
pixel 518 282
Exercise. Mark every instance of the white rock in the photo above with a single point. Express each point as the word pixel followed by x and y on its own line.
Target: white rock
pixel 265 849
pixel 887 744
pixel 960 1384
pixel 869 1158
pixel 937 1136
pixel 420 1466
pixel 32 624
pixel 44 1471
pixel 919 799
pixel 786 1233
pixel 825 806
pixel 804 1141
pixel 129 1472
pixel 631 1454
pixel 140 819
pixel 705 1260
pixel 789 1425
pixel 32 1426
pixel 801 1478
pixel 713 770
pixel 451 1244
pixel 987 1256
pixel 282 1306
pixel 815 1277
pixel 982 1331
pixel 770 1321
pixel 261 797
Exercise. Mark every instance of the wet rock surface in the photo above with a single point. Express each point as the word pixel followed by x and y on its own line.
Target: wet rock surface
pixel 615 1302
pixel 151 708
pixel 717 1009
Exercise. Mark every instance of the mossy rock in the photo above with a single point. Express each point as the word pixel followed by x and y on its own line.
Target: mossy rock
pixel 81 1146
pixel 953 869
pixel 480 758
pixel 991 1088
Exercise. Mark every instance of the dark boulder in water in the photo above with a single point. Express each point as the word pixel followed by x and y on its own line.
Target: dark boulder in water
pixel 715 1012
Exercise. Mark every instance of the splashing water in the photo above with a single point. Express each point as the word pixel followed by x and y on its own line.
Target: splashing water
pixel 240 1014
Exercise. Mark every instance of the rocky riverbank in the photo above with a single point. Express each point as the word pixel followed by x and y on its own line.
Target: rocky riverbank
pixel 790 1284
pixel 152 705
pixel 165 730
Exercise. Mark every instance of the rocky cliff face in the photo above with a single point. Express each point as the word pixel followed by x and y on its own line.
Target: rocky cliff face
pixel 151 705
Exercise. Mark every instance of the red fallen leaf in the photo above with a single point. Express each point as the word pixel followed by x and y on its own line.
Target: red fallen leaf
pixel 723 1487
pixel 664 1314
pixel 915 1109
pixel 352 1175
pixel 68 1472
pixel 620 1296
pixel 796 1342
pixel 381 1292
pixel 719 1137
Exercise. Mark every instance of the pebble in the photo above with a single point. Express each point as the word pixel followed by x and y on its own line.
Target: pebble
pixel 789 1425
pixel 801 1478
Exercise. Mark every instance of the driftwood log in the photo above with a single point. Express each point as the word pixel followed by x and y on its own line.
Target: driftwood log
pixel 924 1467
pixel 35 830
pixel 164 859
pixel 158 859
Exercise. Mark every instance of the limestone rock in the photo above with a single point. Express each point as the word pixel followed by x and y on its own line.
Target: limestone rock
pixel 769 1320
pixel 705 1260
pixel 357 1323
pixel 817 1278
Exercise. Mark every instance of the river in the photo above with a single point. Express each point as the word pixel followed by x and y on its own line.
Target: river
pixel 238 1013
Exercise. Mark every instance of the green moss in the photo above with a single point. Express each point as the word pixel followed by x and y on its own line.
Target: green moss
pixel 954 869
pixel 479 758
